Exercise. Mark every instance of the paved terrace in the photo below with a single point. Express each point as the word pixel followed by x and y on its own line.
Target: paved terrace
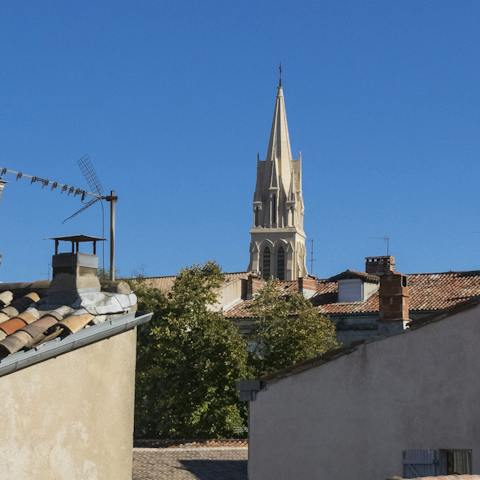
pixel 202 463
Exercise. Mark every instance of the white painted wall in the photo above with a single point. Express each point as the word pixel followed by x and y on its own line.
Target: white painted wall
pixel 71 417
pixel 352 417
pixel 229 294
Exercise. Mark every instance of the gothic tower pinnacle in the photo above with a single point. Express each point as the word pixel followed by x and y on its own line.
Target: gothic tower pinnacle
pixel 277 247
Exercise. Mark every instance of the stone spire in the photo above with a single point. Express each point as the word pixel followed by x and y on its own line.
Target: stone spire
pixel 279 150
pixel 277 248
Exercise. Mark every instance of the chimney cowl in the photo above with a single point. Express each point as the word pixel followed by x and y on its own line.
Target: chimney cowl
pixel 380 265
pixel 73 272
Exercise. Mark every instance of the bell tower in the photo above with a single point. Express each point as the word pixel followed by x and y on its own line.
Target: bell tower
pixel 277 247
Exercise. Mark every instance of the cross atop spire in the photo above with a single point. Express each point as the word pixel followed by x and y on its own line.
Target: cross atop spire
pixel 280 74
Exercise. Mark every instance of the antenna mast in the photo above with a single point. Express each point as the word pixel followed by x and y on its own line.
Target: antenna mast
pixel 312 258
pixel 88 171
pixel 96 195
pixel 386 239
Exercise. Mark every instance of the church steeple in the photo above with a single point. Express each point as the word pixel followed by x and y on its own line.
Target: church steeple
pixel 279 150
pixel 278 241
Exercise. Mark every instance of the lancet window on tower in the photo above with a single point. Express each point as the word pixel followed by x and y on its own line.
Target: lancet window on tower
pixel 266 263
pixel 281 263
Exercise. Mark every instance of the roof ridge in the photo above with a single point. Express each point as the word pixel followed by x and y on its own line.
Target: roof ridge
pixel 444 273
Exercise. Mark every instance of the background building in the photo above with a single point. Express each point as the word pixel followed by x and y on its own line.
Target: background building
pixel 403 405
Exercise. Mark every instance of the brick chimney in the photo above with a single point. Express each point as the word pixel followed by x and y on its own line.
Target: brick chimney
pixel 254 284
pixel 307 286
pixel 380 265
pixel 394 299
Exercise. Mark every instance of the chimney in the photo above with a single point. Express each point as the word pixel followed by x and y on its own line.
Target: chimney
pixel 74 272
pixel 380 265
pixel 254 284
pixel 394 298
pixel 307 286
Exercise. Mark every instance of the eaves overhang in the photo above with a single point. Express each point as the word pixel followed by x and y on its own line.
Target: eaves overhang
pixel 54 348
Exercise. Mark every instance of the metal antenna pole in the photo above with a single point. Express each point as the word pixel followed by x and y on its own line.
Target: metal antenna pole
pixel 312 259
pixel 95 196
pixel 386 239
pixel 112 198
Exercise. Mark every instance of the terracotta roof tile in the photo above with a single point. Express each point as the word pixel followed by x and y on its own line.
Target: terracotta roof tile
pixel 354 274
pixel 12 325
pixel 165 283
pixel 74 323
pixel 37 329
pixel 18 305
pixel 29 320
pixel 30 315
pixel 429 292
pixel 13 343
pixel 5 298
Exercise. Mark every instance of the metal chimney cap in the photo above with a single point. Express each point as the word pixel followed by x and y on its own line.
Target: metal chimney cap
pixel 78 238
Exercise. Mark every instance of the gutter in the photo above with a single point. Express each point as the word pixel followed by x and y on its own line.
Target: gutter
pixel 87 336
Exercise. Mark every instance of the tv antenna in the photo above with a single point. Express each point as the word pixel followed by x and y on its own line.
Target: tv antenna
pixel 88 171
pixel 97 195
pixel 386 239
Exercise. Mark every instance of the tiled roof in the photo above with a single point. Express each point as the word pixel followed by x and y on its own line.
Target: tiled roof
pixel 347 274
pixel 429 292
pixel 243 308
pixel 27 321
pixel 165 283
pixel 341 351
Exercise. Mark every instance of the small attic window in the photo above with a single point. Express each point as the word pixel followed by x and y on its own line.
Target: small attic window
pixel 350 290
pixel 355 290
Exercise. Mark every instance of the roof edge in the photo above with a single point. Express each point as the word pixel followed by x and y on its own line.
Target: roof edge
pixel 110 328
pixel 342 351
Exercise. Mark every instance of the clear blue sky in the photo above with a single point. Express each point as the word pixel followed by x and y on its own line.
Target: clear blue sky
pixel 173 99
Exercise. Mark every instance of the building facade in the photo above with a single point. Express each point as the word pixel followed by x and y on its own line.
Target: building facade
pixel 67 372
pixel 405 405
pixel 277 247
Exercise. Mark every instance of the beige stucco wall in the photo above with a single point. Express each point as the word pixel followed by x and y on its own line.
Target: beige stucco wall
pixel 352 417
pixel 229 294
pixel 71 417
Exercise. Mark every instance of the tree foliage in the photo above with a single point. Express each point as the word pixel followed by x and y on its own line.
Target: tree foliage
pixel 288 329
pixel 189 358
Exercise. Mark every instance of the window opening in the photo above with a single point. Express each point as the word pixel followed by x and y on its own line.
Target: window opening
pixel 274 209
pixel 281 263
pixel 266 263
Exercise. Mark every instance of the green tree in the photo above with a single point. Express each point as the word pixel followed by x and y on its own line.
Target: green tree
pixel 189 358
pixel 288 330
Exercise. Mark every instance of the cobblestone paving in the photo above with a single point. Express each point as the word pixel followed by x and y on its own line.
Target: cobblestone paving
pixel 190 464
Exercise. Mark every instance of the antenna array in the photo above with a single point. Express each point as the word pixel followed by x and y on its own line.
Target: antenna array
pixel 97 195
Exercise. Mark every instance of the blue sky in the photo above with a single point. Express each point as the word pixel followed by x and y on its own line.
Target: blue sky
pixel 173 99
